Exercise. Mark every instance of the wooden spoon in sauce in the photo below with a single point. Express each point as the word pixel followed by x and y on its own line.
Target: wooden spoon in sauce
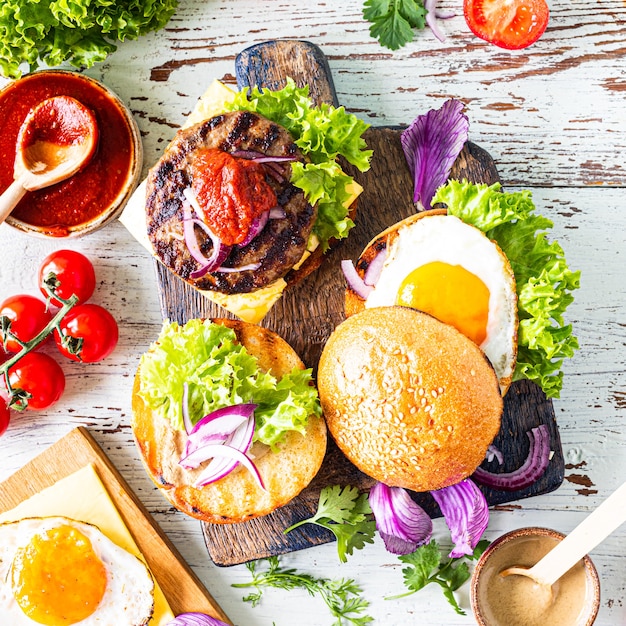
pixel 587 535
pixel 56 139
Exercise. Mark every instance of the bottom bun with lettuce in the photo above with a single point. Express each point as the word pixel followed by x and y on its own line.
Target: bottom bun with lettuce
pixel 227 419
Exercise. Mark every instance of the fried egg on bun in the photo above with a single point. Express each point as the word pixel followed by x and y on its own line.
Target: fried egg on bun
pixel 438 264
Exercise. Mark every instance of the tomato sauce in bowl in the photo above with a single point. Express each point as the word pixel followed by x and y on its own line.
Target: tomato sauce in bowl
pixel 95 195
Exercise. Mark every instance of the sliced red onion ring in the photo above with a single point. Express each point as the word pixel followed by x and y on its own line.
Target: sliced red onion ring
pixel 185 409
pixel 372 274
pixel 277 213
pixel 258 224
pixel 241 268
pixel 494 453
pixel 259 157
pixel 532 469
pixel 355 282
pixel 466 512
pixel 431 18
pixel 403 524
pixel 220 251
pixel 210 475
pixel 195 619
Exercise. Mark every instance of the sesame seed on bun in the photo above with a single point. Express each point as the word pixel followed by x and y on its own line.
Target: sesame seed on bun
pixel 409 400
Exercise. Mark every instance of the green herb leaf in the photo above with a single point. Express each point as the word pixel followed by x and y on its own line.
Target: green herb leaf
pixel 393 21
pixel 81 32
pixel 347 514
pixel 426 565
pixel 341 596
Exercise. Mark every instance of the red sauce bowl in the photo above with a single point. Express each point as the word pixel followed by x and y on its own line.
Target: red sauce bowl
pixel 95 195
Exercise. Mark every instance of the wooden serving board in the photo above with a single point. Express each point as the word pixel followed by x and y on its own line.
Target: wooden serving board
pixel 308 312
pixel 182 589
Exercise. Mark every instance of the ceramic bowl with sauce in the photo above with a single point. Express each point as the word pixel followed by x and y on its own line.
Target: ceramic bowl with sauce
pixel 95 195
pixel 497 600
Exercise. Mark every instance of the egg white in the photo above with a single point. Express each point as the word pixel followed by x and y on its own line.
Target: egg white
pixel 129 596
pixel 448 239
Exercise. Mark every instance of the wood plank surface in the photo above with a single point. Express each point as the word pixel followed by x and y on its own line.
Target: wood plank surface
pixel 180 585
pixel 309 311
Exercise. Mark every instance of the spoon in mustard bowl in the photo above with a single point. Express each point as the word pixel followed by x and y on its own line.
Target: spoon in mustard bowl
pixel 56 139
pixel 587 535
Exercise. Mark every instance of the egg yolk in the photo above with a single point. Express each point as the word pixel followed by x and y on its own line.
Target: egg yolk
pixel 57 577
pixel 450 293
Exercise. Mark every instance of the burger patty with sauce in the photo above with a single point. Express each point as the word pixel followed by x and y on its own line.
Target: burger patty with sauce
pixel 219 163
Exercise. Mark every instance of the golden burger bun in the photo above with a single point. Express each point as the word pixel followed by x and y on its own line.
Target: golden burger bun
pixel 409 400
pixel 236 497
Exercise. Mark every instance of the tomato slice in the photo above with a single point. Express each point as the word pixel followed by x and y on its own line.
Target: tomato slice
pixel 94 327
pixel 510 24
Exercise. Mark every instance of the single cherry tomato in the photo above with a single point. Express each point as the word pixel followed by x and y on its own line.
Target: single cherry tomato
pixel 74 275
pixel 5 415
pixel 510 24
pixel 95 326
pixel 39 375
pixel 28 315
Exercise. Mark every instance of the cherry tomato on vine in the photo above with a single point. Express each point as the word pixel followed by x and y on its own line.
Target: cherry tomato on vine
pixel 41 376
pixel 5 415
pixel 74 273
pixel 510 24
pixel 28 315
pixel 92 324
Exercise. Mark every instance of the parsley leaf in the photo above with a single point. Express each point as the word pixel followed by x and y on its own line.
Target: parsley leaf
pixel 347 514
pixel 341 596
pixel 393 21
pixel 427 566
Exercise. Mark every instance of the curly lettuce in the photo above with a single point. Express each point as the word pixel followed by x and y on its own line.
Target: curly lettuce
pixel 220 372
pixel 82 32
pixel 544 281
pixel 323 133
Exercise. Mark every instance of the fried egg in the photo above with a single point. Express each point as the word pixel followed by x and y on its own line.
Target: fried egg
pixel 451 270
pixel 59 572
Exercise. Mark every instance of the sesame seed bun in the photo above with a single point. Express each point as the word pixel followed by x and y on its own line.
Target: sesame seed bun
pixel 409 400
pixel 236 497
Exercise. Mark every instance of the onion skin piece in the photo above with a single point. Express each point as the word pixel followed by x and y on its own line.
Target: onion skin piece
pixel 431 144
pixel 195 619
pixel 532 469
pixel 466 512
pixel 402 524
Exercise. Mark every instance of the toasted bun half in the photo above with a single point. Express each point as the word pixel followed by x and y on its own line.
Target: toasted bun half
pixel 409 400
pixel 236 497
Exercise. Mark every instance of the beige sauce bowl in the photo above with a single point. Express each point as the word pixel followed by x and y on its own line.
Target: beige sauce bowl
pixel 573 600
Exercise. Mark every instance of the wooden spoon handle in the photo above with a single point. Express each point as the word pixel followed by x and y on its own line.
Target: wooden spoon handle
pixel 9 199
pixel 587 535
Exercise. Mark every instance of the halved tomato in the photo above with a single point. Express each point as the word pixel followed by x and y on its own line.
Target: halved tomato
pixel 510 24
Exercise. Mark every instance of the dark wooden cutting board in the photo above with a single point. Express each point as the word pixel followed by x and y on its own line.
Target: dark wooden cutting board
pixel 308 312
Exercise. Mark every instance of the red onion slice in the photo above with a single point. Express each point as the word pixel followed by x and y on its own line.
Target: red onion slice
pixel 210 475
pixel 372 274
pixel 277 213
pixel 259 157
pixel 431 19
pixel 185 409
pixel 532 469
pixel 402 524
pixel 355 282
pixel 195 619
pixel 466 512
pixel 240 268
pixel 258 224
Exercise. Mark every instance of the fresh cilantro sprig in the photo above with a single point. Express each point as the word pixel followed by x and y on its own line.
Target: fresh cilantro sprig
pixel 347 514
pixel 341 596
pixel 427 565
pixel 393 21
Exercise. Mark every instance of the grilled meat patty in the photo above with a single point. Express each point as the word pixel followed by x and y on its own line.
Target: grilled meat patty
pixel 277 248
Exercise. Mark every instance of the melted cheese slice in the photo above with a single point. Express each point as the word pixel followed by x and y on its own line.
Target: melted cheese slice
pixel 81 496
pixel 251 307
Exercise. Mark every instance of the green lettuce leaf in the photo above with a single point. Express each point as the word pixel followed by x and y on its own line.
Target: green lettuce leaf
pixel 544 281
pixel 220 372
pixel 82 32
pixel 323 133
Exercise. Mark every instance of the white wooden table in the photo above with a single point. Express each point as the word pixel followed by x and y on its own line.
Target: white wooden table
pixel 553 117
